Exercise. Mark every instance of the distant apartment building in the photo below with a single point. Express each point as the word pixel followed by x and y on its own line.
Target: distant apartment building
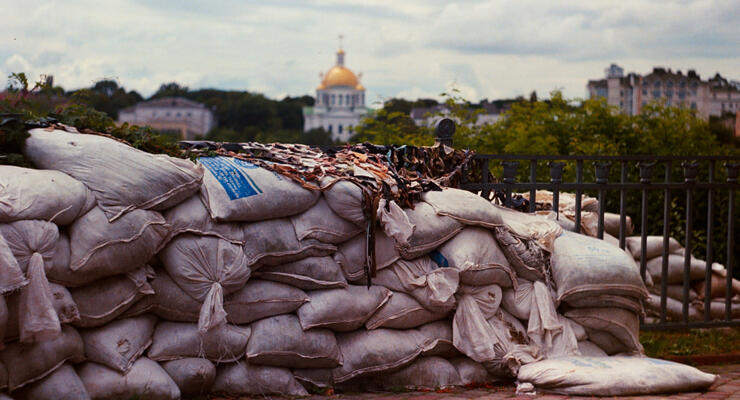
pixel 176 115
pixel 428 116
pixel 714 97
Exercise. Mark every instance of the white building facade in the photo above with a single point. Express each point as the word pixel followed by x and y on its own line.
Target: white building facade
pixel 184 118
pixel 340 103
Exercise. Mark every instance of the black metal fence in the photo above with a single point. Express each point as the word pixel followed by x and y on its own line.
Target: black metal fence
pixel 621 181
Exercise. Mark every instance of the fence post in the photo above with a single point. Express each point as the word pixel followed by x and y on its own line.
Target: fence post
pixel 444 130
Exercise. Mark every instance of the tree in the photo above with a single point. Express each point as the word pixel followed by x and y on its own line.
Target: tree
pixel 171 89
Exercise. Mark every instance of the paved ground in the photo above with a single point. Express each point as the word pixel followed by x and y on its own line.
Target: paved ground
pixel 727 387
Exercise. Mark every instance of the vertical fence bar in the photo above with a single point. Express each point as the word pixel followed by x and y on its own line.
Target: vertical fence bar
pixel 666 242
pixel 556 178
pixel 709 255
pixel 602 177
pixel 533 181
pixel 689 172
pixel 646 177
pixel 510 168
pixel 622 206
pixel 579 179
pixel 732 177
pixel 485 191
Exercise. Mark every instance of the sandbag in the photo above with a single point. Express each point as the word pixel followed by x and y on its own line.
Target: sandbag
pixel 470 372
pixel 430 373
pixel 177 340
pixel 103 249
pixel 192 216
pixel 378 350
pixel 654 266
pixel 537 228
pixel 274 242
pixel 260 299
pixel 673 309
pixel 281 342
pixel 583 266
pixel 3 326
pixel 193 376
pixel 321 223
pixel 402 312
pixel 141 180
pixel 243 378
pixel 622 325
pixel 717 288
pixel 527 257
pixel 438 336
pixel 11 276
pixel 62 384
pixel 119 343
pixel 608 300
pixel 475 253
pixel 421 278
pixel 464 206
pixel 589 349
pixel 33 362
pixel 145 380
pixel 487 297
pixel 394 221
pixel 518 300
pixel 352 255
pixel 717 309
pixel 431 231
pixel 654 247
pixel 308 274
pixel 342 310
pixel 613 376
pixel 48 195
pixel 612 222
pixel 236 190
pixel 206 268
pixel 345 198
pixel 169 301
pixel 64 304
pixel 106 299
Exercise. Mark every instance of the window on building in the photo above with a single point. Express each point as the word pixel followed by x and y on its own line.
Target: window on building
pixel 326 99
pixel 329 127
pixel 178 114
pixel 189 114
pixel 348 103
pixel 339 128
pixel 693 105
pixel 656 84
pixel 333 100
pixel 669 84
pixel 644 91
pixel 339 101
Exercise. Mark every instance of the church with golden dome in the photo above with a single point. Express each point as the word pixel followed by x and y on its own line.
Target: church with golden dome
pixel 340 102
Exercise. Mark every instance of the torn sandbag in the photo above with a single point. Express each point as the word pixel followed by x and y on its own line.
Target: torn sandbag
pixel 142 180
pixel 549 331
pixel 192 216
pixel 394 221
pixel 274 242
pixel 312 273
pixel 193 376
pixel 613 376
pixel 236 190
pixel 342 310
pixel 531 227
pixel 321 223
pixel 421 278
pixel 464 206
pixel 48 195
pixel 431 230
pixel 402 312
pixel 206 268
pixel 243 378
pixel 119 343
pixel 177 340
pixel 145 380
pixel 527 258
pixel 475 253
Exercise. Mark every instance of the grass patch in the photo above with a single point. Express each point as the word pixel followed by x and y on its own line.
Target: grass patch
pixel 693 342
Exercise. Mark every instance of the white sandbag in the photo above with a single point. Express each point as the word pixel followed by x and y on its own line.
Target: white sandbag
pixel 613 376
pixel 260 299
pixel 402 312
pixel 394 221
pixel 378 350
pixel 11 276
pixel 527 257
pixel 431 230
pixel 308 274
pixel 321 223
pixel 578 330
pixel 177 340
pixel 243 378
pixel 145 380
pixel 433 287
pixel 470 372
pixel 64 304
pixel 33 362
pixel 236 190
pixel 274 242
pixel 62 384
pixel 426 373
pixel 518 300
pixel 654 247
pixel 654 266
pixel 281 342
pixel 103 249
pixel 48 195
pixel 438 335
pixel 487 297
pixel 105 299
pixel 464 206
pixel 142 180
pixel 342 310
pixel 345 198
pixel 531 227
pixel 589 349
pixel 352 255
pixel 206 268
pixel 192 216
pixel 476 254
pixel 193 376
pixel 119 343
pixel 620 324
pixel 583 266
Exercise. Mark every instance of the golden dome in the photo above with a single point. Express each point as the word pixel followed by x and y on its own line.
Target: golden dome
pixel 340 76
pixel 359 87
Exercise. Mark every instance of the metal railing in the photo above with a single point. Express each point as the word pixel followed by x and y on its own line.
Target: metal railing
pixel 699 175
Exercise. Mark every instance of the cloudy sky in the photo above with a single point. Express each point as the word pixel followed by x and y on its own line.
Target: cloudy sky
pixel 410 48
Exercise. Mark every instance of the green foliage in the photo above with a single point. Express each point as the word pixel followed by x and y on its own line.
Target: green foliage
pixel 106 96
pixel 392 127
pixel 693 342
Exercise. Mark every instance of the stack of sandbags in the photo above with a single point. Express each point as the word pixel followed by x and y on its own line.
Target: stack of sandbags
pixel 675 281
pixel 126 274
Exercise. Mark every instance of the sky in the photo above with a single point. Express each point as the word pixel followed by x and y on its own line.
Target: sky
pixel 410 48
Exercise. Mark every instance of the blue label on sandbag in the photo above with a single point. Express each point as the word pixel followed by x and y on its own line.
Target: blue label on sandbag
pixel 229 173
pixel 439 259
